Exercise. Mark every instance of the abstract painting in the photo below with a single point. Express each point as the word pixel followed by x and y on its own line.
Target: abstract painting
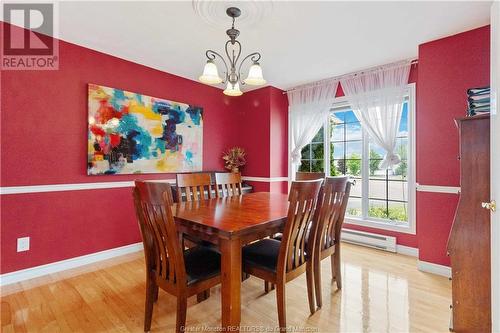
pixel 129 133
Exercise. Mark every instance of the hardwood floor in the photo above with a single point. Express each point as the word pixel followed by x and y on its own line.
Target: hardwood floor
pixel 382 292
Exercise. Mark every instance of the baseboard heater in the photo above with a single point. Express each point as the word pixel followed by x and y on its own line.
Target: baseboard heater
pixel 381 242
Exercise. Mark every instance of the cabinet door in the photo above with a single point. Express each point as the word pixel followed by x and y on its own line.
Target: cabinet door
pixel 470 250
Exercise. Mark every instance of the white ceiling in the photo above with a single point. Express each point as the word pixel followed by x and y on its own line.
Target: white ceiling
pixel 299 41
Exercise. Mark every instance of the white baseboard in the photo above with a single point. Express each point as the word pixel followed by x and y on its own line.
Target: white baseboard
pixel 406 250
pixel 33 272
pixel 429 267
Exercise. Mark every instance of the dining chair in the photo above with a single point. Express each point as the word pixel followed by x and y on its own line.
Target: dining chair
pixel 281 261
pixel 228 184
pixel 299 176
pixel 194 186
pixel 332 205
pixel 309 175
pixel 181 273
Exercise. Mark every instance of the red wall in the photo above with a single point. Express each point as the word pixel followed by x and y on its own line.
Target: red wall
pixel 43 134
pixel 253 123
pixel 278 133
pixel 44 123
pixel 447 68
pixel 262 120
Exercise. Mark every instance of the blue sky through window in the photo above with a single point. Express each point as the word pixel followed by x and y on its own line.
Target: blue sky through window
pixel 353 132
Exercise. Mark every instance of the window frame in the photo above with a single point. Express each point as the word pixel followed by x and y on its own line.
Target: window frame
pixel 408 227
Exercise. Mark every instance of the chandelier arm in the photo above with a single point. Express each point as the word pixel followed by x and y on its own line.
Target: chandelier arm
pixel 212 55
pixel 239 53
pixel 233 59
pixel 254 57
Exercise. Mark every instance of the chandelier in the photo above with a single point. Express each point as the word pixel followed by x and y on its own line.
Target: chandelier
pixel 232 76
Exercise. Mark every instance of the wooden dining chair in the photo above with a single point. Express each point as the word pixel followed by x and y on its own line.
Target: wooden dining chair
pixel 281 261
pixel 332 205
pixel 181 273
pixel 309 175
pixel 194 187
pixel 228 184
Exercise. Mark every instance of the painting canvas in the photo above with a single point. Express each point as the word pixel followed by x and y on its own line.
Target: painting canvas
pixel 129 133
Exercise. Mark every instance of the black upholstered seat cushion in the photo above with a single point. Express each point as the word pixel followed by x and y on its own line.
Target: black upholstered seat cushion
pixel 263 254
pixel 201 263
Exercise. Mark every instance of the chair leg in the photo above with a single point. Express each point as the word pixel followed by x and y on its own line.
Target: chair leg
pixel 280 298
pixel 155 293
pixel 268 286
pixel 317 282
pixel 180 324
pixel 148 311
pixel 204 295
pixel 336 263
pixel 310 287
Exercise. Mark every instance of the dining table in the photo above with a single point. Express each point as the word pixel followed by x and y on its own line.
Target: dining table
pixel 230 223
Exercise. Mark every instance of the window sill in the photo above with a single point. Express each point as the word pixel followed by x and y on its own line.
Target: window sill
pixel 375 224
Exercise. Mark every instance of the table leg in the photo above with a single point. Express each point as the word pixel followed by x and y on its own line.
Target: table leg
pixel 231 283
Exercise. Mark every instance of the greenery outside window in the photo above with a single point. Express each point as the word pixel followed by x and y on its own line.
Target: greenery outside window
pixel 313 154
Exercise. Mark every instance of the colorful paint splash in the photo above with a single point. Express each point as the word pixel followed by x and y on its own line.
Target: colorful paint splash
pixel 131 133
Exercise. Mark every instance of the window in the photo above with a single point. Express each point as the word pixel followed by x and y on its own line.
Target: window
pixel 312 159
pixel 380 198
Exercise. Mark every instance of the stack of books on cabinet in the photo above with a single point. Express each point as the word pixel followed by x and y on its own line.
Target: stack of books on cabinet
pixel 478 101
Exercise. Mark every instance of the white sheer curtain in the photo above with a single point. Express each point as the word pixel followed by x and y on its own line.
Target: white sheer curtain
pixel 309 107
pixel 376 98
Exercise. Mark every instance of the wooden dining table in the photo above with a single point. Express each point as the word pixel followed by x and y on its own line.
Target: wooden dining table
pixel 231 223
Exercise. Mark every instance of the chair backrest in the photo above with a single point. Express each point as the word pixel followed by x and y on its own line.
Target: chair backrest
pixel 302 204
pixel 162 248
pixel 309 175
pixel 195 186
pixel 332 204
pixel 228 184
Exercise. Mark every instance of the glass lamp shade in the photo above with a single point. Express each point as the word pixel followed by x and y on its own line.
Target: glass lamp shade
pixel 233 89
pixel 255 77
pixel 210 74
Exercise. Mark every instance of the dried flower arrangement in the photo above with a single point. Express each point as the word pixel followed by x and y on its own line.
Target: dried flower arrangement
pixel 234 159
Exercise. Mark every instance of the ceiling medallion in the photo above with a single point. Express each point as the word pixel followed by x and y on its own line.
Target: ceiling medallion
pixel 232 74
pixel 213 12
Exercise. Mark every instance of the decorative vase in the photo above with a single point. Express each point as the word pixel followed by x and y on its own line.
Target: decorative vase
pixel 235 170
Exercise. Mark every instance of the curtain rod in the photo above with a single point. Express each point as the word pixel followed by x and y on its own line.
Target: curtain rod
pixel 337 78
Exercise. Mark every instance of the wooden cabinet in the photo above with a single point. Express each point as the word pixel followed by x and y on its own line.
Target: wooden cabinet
pixel 469 241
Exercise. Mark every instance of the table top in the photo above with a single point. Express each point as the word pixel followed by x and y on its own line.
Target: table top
pixel 237 215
